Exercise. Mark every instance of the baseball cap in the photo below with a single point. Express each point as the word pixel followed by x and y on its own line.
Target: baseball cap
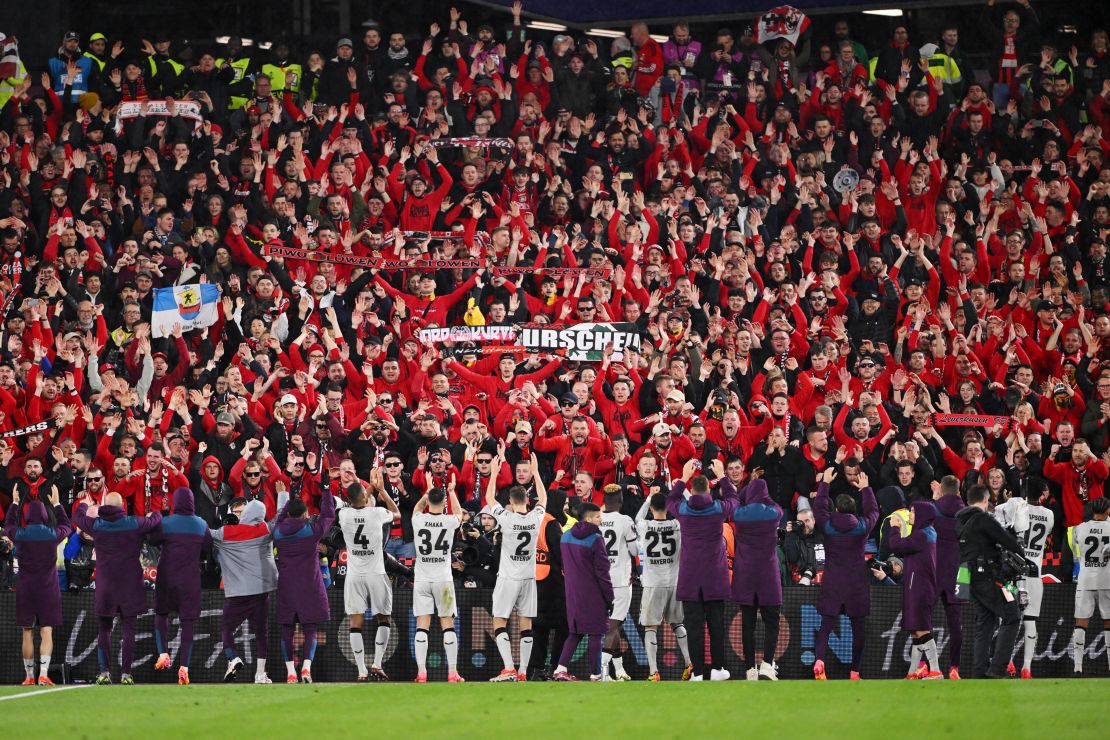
pixel 523 426
pixel 1046 306
pixel 287 399
pixel 344 42
pixel 568 398
pixel 97 37
pixel 660 429
pixel 225 418
pixel 163 355
pixel 870 296
pixel 676 396
pixel 71 36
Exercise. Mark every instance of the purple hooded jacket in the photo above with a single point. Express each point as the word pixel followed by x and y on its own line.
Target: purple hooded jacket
pixel 117 538
pixel 182 536
pixel 301 593
pixel 702 563
pixel 918 551
pixel 37 594
pixel 948 544
pixel 586 575
pixel 846 584
pixel 755 573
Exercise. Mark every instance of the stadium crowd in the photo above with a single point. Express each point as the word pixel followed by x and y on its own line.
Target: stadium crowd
pixel 861 277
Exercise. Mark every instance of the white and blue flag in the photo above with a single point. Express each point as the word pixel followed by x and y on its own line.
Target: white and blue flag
pixel 192 306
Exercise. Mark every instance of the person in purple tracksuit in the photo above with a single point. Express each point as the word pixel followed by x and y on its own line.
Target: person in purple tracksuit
pixel 589 590
pixel 846 585
pixel 946 497
pixel 301 593
pixel 182 536
pixel 38 601
pixel 756 583
pixel 117 539
pixel 918 550
pixel 702 566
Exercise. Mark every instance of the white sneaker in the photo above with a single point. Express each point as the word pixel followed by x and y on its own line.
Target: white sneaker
pixel 623 677
pixel 262 679
pixel 233 667
pixel 768 672
pixel 719 675
pixel 696 678
pixel 752 674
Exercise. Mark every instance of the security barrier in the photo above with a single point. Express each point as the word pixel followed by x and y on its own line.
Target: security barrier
pixel 885 656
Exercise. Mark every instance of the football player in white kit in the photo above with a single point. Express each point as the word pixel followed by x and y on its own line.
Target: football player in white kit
pixel 660 542
pixel 1091 544
pixel 433 589
pixel 516 575
pixel 367 586
pixel 1032 523
pixel 619 533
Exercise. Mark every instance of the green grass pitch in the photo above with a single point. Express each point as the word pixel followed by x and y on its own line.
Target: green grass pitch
pixel 881 709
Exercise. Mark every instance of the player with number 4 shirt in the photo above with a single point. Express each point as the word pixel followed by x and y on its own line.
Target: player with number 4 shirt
pixel 367 586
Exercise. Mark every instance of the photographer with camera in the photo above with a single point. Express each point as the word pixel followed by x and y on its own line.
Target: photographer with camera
pixel 983 541
pixel 804 548
pixel 476 553
pixel 886 572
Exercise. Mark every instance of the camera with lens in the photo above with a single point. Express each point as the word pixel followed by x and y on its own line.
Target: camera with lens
pixel 1012 566
pixel 883 565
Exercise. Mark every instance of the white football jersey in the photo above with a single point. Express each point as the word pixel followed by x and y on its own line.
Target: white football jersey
pixel 619 534
pixel 433 536
pixel 519 535
pixel 660 541
pixel 1091 541
pixel 1035 537
pixel 362 531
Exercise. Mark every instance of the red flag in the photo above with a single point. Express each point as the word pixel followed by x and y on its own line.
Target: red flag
pixel 9 56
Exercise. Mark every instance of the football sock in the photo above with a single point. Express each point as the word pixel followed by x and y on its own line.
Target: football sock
pixel 618 665
pixel 185 651
pixel 915 655
pixel 651 647
pixel 504 646
pixel 161 628
pixel 1030 643
pixel 358 650
pixel 29 666
pixel 1078 644
pixel 526 650
pixel 451 647
pixel 420 641
pixel 381 639
pixel 260 667
pixel 44 665
pixel 683 643
pixel 930 651
pixel 606 659
pixel 127 650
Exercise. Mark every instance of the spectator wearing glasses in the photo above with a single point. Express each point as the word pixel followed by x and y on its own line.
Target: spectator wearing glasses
pixel 253 479
pixel 397 484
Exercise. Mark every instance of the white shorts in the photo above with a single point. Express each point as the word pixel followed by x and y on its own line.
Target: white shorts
pixel 368 591
pixel 658 605
pixel 1035 588
pixel 1085 602
pixel 510 593
pixel 622 600
pixel 434 597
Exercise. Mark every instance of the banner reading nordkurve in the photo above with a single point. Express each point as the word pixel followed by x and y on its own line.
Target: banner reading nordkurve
pixel 582 342
pixel 500 334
